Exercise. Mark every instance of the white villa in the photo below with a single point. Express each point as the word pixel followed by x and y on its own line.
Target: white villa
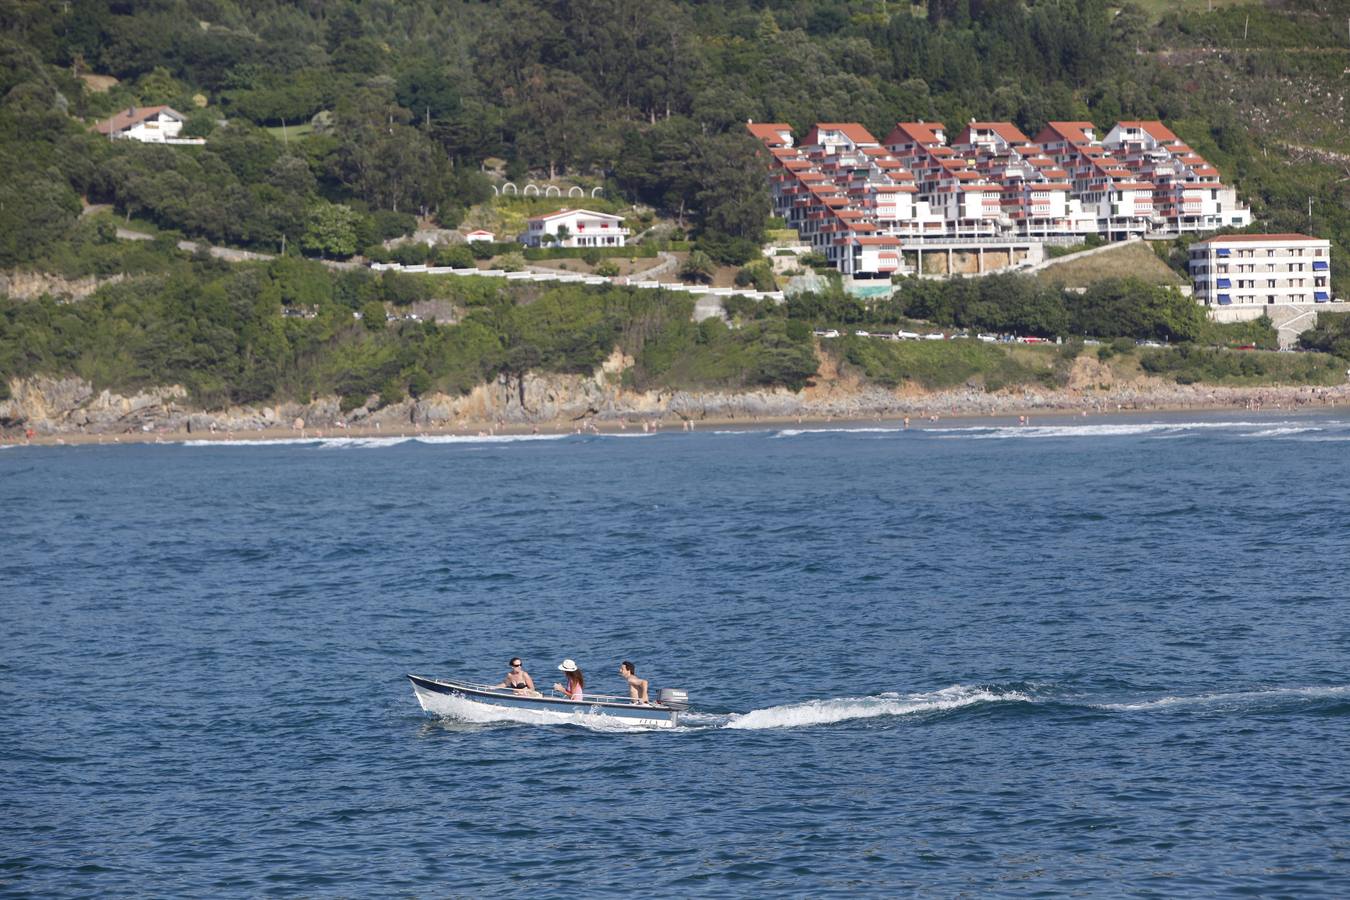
pixel 575 228
pixel 479 236
pixel 148 124
pixel 1258 270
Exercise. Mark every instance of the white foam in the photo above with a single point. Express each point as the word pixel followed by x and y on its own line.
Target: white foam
pixel 1281 432
pixel 1117 429
pixel 797 432
pixel 463 710
pixel 1230 699
pixel 840 709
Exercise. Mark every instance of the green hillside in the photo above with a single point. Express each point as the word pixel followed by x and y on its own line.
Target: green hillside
pixel 335 125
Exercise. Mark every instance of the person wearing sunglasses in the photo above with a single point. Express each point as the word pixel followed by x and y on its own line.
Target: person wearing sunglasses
pixel 517 679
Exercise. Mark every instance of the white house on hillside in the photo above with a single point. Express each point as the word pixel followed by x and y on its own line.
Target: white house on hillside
pixel 575 228
pixel 148 124
pixel 479 236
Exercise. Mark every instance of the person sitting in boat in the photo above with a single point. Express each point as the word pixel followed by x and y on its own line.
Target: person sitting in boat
pixel 637 687
pixel 575 680
pixel 517 679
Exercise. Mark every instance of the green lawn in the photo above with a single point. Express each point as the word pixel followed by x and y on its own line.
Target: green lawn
pixel 291 132
pixel 1155 8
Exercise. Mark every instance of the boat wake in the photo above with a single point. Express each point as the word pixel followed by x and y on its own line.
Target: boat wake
pixel 1233 700
pixel 842 709
pixel 810 713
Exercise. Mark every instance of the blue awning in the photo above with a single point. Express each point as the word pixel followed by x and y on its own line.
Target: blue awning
pixel 1224 299
pixel 1225 283
pixel 1224 251
pixel 1322 297
pixel 1320 266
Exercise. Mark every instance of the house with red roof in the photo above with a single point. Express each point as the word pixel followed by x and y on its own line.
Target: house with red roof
pixel 575 228
pixel 992 183
pixel 148 124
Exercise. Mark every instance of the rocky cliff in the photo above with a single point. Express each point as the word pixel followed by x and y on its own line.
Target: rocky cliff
pixel 71 405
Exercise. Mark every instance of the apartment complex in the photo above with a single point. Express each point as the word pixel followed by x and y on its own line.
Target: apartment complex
pixel 1255 270
pixel 857 199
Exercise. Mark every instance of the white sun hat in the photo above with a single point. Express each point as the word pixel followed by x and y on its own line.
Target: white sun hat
pixel 568 666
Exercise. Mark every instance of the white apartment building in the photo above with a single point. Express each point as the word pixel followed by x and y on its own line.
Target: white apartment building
pixel 1256 270
pixel 575 228
pixel 991 184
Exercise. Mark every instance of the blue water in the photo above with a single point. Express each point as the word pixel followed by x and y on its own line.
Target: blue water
pixel 1096 657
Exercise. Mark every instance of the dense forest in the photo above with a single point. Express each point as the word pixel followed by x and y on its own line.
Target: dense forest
pixel 333 125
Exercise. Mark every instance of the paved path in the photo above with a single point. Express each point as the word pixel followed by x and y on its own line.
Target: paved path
pixel 229 254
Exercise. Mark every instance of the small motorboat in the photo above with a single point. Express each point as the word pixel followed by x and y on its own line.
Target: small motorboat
pixel 483 703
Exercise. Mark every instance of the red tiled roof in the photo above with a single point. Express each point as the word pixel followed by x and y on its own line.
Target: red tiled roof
pixel 128 118
pixel 1155 129
pixel 1006 130
pixel 915 132
pixel 565 211
pixel 1072 132
pixel 770 132
pixel 851 130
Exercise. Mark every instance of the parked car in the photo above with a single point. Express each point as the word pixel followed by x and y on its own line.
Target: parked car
pixel 935 336
pixel 987 338
pixel 827 333
pixel 861 333
pixel 907 335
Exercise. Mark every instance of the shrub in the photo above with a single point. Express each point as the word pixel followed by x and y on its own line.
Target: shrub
pixel 372 315
pixel 607 268
pixel 410 254
pixel 456 256
pixel 591 255
pixel 511 262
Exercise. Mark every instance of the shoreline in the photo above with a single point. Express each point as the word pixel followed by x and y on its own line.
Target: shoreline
pixel 1260 401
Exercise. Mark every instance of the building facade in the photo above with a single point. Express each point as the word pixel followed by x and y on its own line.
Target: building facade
pixel 845 192
pixel 147 124
pixel 1256 270
pixel 575 228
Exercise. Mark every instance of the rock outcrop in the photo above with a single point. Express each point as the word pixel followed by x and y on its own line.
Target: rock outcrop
pixel 71 405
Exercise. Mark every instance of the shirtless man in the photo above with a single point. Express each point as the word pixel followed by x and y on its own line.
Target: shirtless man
pixel 637 687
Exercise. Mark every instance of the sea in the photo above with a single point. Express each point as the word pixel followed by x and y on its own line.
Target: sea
pixel 1080 657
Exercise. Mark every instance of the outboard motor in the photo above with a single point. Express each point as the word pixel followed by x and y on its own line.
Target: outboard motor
pixel 675 698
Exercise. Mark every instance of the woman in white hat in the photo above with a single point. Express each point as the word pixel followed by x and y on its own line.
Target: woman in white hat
pixel 575 680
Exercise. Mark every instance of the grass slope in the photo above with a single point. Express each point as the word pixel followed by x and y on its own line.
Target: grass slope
pixel 1133 260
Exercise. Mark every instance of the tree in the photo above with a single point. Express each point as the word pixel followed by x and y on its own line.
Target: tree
pixel 733 194
pixel 698 266
pixel 330 230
